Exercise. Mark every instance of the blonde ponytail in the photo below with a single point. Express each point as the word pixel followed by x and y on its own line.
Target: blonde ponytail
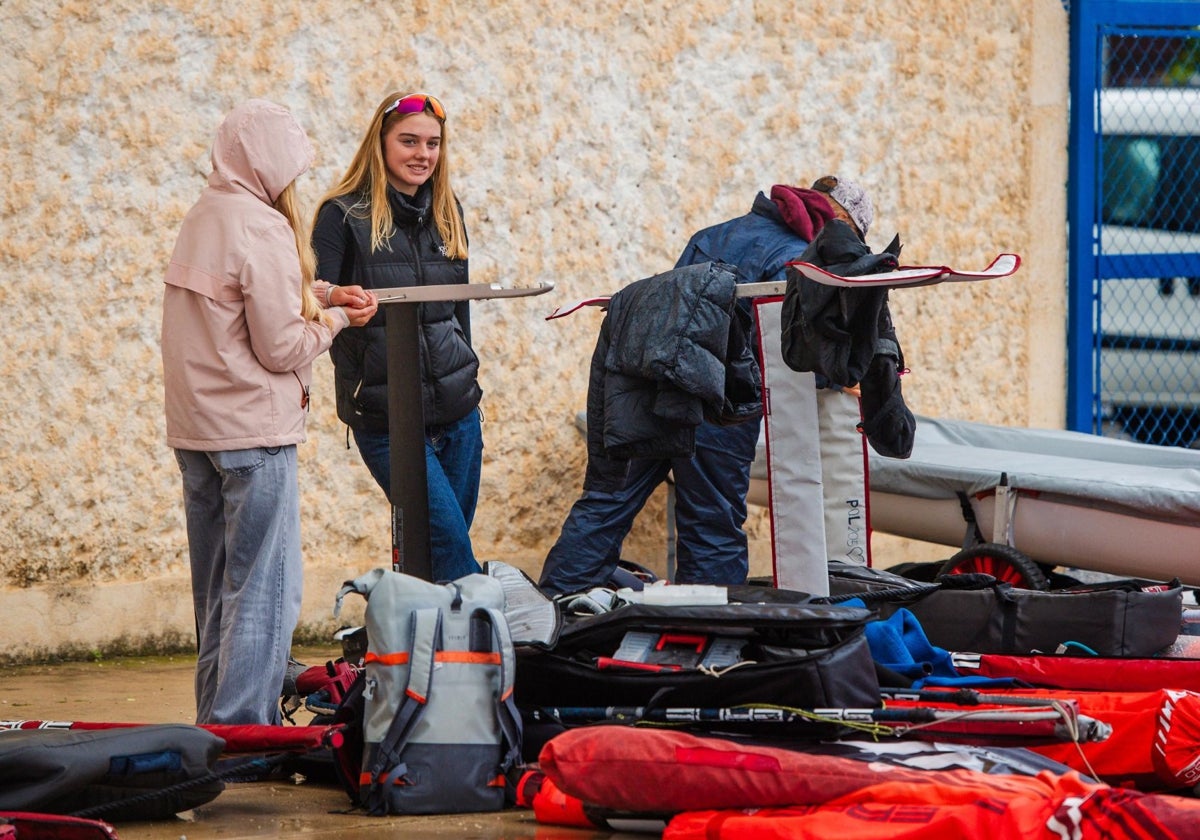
pixel 288 205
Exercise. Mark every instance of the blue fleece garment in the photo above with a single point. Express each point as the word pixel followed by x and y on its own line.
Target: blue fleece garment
pixel 900 644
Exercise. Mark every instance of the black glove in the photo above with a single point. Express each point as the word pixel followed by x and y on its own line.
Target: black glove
pixel 888 424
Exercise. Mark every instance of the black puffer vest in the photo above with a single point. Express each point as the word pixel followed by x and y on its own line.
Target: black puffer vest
pixel 413 257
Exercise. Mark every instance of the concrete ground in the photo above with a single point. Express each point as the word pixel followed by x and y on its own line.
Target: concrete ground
pixel 159 690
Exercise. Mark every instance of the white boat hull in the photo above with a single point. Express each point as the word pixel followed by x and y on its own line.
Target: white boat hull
pixel 1066 498
pixel 1054 532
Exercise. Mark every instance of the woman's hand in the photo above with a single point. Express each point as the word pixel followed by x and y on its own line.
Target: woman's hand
pixel 359 303
pixel 361 315
pixel 351 297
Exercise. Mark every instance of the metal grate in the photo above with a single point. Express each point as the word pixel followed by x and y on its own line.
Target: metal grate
pixel 1147 293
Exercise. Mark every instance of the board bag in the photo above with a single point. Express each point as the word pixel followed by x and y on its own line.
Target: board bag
pixel 125 773
pixel 976 613
pixel 440 729
pixel 767 652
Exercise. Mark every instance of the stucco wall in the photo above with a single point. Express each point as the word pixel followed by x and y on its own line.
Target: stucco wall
pixel 588 141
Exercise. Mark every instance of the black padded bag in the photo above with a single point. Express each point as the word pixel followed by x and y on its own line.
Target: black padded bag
pixel 978 614
pixel 127 773
pixel 796 655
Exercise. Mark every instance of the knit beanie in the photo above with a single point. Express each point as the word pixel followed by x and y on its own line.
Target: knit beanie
pixel 850 196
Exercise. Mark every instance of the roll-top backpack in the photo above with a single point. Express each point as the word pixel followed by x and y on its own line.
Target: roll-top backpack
pixel 440 729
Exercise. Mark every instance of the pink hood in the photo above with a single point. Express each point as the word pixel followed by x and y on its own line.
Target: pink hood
pixel 259 148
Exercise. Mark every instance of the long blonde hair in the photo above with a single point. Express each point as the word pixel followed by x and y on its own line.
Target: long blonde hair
pixel 366 178
pixel 289 205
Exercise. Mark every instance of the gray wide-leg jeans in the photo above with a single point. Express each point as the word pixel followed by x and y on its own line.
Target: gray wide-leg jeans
pixel 243 526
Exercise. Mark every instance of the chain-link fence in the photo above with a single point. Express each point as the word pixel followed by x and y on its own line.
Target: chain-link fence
pixel 1147 294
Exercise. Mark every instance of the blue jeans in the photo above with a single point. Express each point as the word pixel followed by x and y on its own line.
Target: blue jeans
pixel 453 457
pixel 710 510
pixel 243 526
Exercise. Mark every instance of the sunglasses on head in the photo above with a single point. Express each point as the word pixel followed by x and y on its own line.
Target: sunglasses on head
pixel 416 103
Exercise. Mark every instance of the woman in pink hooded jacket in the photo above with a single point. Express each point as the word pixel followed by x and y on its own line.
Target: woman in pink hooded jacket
pixel 241 327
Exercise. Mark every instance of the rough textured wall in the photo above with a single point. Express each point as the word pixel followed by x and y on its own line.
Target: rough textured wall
pixel 588 140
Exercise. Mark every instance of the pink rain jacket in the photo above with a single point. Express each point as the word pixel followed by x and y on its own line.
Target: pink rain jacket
pixel 237 356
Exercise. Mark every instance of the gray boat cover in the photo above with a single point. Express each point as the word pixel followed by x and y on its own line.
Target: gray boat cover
pixel 952 456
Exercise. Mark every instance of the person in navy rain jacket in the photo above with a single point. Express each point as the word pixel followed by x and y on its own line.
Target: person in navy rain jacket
pixel 711 485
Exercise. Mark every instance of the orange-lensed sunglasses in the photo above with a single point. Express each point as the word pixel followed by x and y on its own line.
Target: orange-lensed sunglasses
pixel 416 103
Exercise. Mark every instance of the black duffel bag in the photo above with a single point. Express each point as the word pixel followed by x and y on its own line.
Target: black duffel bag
pixel 975 613
pixel 124 773
pixel 802 656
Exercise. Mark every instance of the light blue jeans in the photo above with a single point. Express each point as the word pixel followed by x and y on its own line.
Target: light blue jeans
pixel 453 457
pixel 243 526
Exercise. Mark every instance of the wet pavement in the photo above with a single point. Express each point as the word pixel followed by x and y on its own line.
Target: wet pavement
pixel 159 690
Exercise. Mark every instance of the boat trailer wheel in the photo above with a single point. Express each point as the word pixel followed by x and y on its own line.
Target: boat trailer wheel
pixel 1002 562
